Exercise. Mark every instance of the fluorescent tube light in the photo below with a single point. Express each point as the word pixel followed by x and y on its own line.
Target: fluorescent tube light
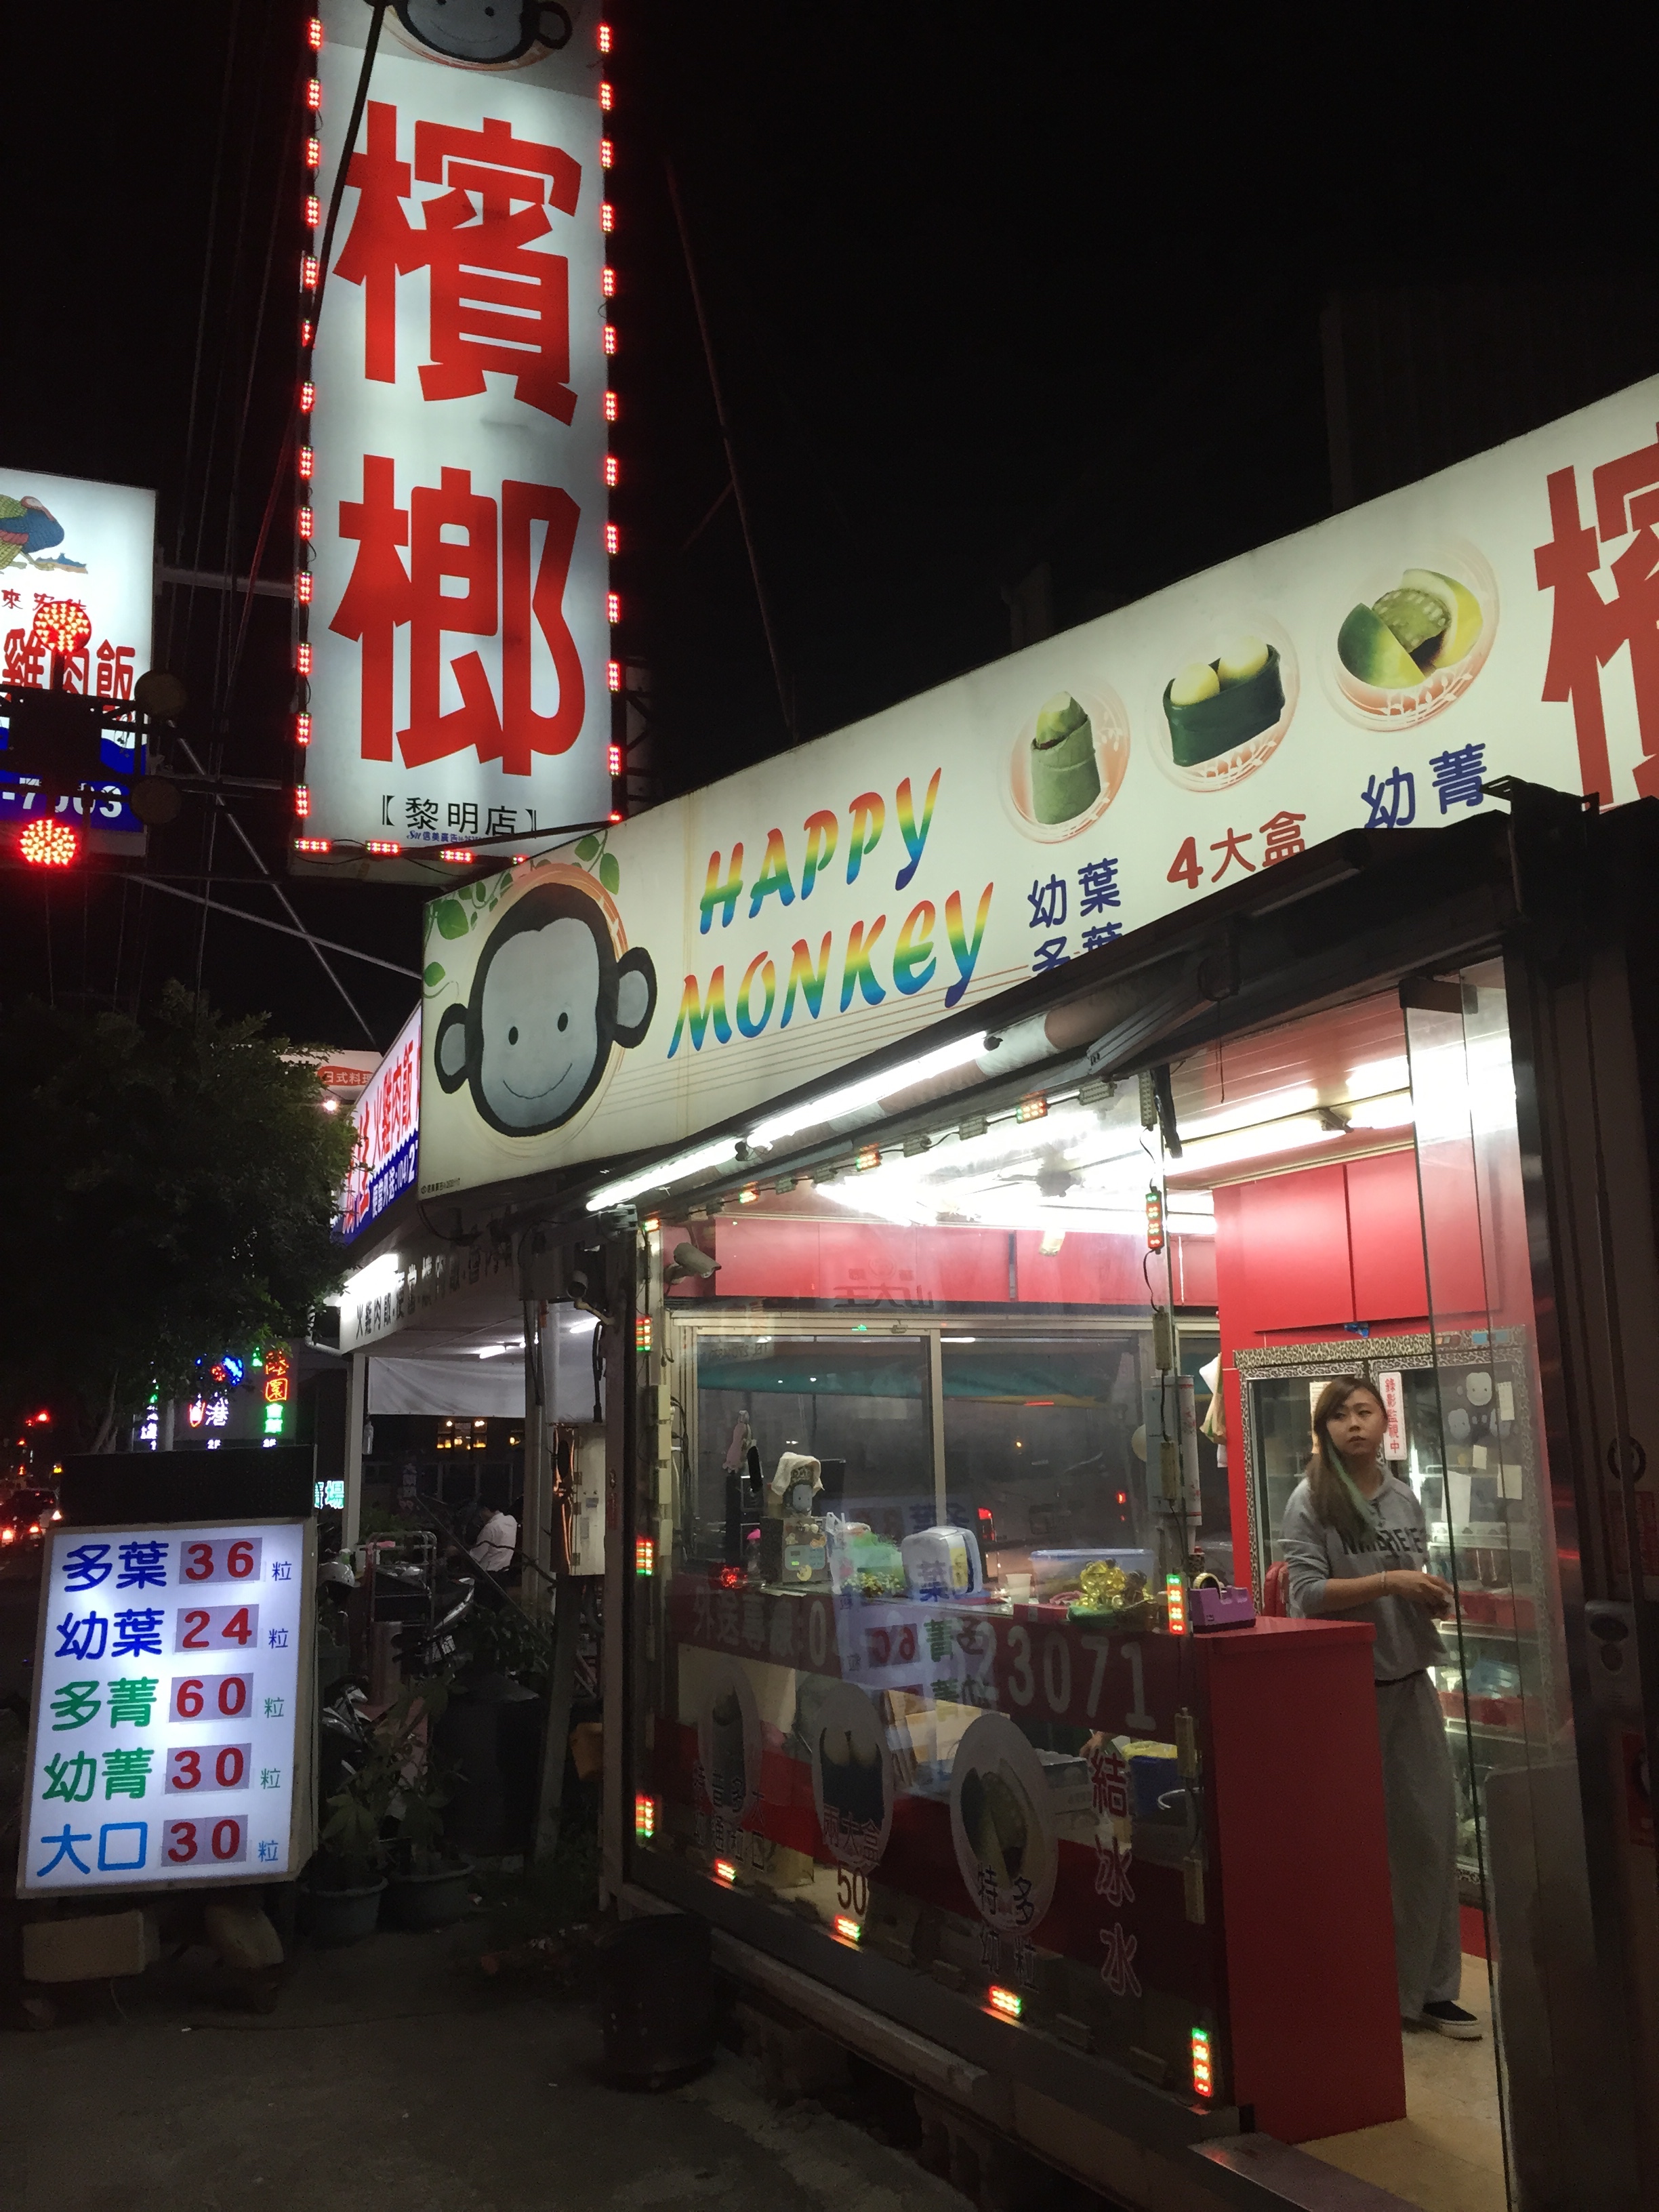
pixel 833 1105
pixel 1272 1106
pixel 1392 1111
pixel 1375 1076
pixel 1293 1134
pixel 658 1177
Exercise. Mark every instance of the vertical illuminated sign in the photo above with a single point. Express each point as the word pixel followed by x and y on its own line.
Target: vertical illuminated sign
pixel 452 609
pixel 387 1120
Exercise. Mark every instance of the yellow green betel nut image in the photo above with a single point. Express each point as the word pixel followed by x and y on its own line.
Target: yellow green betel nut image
pixel 1213 706
pixel 1427 622
pixel 1065 774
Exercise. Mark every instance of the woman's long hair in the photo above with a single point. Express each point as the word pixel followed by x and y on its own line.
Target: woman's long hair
pixel 1332 1499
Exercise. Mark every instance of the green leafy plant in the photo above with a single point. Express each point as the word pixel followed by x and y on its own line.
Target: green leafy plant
pixel 393 1797
pixel 187 1151
pixel 499 1639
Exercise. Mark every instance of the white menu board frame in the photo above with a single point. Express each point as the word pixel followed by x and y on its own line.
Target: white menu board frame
pixel 227 1796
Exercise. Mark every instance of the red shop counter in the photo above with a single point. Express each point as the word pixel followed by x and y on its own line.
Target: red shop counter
pixel 1282 1951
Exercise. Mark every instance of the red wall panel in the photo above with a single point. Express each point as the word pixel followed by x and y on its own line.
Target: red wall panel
pixel 859 1260
pixel 1451 1220
pixel 1282 1251
pixel 1193 1269
pixel 1385 1238
pixel 1088 1269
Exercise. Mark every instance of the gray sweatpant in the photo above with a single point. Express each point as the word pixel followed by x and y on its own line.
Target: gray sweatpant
pixel 1421 1802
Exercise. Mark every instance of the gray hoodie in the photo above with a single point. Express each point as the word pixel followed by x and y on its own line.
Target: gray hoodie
pixel 1406 1637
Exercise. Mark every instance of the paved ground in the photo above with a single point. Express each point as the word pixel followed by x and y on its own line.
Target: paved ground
pixel 397 2074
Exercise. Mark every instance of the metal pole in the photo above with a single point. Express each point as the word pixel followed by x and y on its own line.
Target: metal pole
pixel 731 453
pixel 356 1415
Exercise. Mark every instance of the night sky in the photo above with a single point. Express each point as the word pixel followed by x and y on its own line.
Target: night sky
pixel 988 288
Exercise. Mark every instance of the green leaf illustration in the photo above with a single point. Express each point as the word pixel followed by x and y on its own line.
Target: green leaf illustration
pixel 481 893
pixel 610 873
pixel 433 974
pixel 586 847
pixel 453 918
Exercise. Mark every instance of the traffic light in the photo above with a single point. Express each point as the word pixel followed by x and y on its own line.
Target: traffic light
pixel 77 772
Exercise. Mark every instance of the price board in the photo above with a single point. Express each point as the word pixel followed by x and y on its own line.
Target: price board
pixel 170 1739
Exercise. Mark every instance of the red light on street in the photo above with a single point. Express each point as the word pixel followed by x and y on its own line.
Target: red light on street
pixel 302 728
pixel 1008 2002
pixel 613 606
pixel 611 338
pixel 613 760
pixel 313 93
pixel 8 1535
pixel 61 625
pixel 48 844
pixel 307 397
pixel 615 816
pixel 613 408
pixel 607 154
pixel 307 330
pixel 302 587
pixel 301 800
pixel 607 282
pixel 612 540
pixel 613 676
pixel 848 1928
pixel 607 96
pixel 313 153
pixel 308 274
pixel 306 462
pixel 304 522
pixel 612 470
pixel 724 1871
pixel 606 35
pixel 314 32
pixel 313 210
pixel 462 853
pixel 383 846
pixel 607 217
pixel 313 845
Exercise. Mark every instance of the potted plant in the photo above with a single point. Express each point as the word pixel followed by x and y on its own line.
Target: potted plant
pixel 430 1885
pixel 344 1881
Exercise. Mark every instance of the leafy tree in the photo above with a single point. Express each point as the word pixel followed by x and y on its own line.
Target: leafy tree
pixel 166 1190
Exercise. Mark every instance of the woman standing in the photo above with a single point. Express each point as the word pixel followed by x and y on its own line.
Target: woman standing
pixel 1355 1541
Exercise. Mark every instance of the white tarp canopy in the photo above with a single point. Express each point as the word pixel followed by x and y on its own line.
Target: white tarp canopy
pixel 490 1388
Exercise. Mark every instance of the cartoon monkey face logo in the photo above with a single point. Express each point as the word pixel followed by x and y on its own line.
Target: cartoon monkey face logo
pixel 484 31
pixel 549 1000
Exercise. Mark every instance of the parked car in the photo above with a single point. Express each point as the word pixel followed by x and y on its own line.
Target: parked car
pixel 25 1516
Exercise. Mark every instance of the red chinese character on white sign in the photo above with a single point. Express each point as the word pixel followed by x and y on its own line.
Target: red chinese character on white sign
pixel 495 302
pixel 1588 630
pixel 384 594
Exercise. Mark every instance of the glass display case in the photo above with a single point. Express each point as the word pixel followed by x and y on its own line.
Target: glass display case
pixel 1477 1474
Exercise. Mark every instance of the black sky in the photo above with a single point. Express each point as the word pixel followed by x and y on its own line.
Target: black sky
pixel 987 287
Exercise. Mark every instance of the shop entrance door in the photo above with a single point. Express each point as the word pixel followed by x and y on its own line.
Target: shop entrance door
pixel 1503 1529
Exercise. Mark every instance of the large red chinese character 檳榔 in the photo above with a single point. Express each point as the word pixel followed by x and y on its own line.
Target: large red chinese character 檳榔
pixel 384 594
pixel 1587 630
pixel 495 303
